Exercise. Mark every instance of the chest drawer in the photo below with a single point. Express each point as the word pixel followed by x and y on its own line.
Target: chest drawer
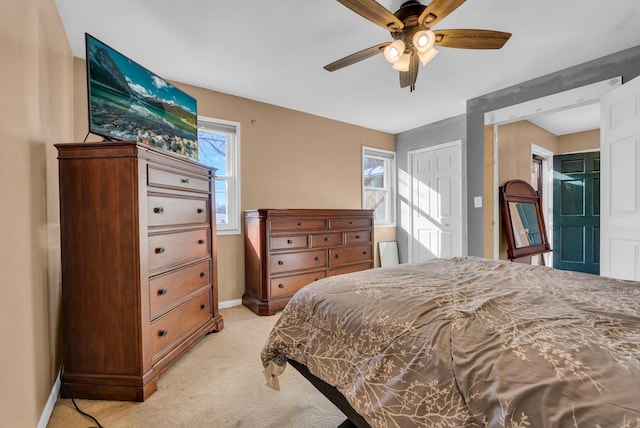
pixel 294 242
pixel 166 289
pixel 350 223
pixel 348 255
pixel 172 248
pixel 357 237
pixel 324 240
pixel 298 224
pixel 288 285
pixel 163 211
pixel 297 261
pixel 176 180
pixel 351 268
pixel 170 327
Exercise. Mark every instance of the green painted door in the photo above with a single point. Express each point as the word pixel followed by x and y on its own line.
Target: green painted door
pixel 576 212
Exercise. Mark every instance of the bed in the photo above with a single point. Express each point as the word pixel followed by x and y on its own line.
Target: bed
pixel 467 342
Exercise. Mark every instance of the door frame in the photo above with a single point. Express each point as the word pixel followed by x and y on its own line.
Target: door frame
pixel 410 155
pixel 547 193
pixel 565 100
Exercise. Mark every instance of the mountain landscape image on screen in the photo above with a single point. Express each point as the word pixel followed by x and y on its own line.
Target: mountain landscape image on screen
pixel 128 102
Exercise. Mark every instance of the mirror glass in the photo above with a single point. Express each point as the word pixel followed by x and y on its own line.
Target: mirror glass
pixel 525 224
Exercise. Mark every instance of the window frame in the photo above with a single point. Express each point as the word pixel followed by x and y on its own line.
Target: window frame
pixel 232 178
pixel 389 179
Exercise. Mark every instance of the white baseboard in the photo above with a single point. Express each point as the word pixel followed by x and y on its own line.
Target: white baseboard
pixel 51 403
pixel 229 303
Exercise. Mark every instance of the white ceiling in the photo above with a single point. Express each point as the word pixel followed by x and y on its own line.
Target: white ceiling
pixel 274 51
pixel 578 119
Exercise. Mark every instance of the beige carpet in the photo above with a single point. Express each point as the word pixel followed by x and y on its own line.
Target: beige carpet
pixel 217 383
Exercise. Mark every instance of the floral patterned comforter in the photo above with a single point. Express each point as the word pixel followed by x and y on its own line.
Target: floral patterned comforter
pixel 469 342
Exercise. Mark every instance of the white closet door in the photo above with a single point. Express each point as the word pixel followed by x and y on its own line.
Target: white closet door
pixel 436 205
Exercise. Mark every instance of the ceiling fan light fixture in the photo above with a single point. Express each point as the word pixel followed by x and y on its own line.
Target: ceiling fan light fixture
pixel 403 63
pixel 394 51
pixel 427 55
pixel 423 40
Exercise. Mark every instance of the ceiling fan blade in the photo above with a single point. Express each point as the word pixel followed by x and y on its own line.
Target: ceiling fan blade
pixel 437 10
pixel 471 39
pixel 356 57
pixel 408 78
pixel 374 12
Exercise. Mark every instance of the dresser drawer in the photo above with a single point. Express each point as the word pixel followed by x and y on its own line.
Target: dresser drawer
pixel 168 249
pixel 351 268
pixel 348 255
pixel 350 223
pixel 163 211
pixel 351 238
pixel 294 242
pixel 324 240
pixel 176 180
pixel 298 224
pixel 287 286
pixel 297 261
pixel 170 328
pixel 166 289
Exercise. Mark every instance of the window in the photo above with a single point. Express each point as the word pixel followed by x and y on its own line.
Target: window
pixel 379 184
pixel 219 147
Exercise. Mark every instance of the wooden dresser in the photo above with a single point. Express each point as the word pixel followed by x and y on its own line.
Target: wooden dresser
pixel 139 284
pixel 288 249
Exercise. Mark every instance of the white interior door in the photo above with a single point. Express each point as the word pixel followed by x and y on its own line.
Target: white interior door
pixel 620 182
pixel 436 202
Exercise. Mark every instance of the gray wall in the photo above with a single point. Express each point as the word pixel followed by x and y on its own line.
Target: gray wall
pixel 452 129
pixel 625 63
pixel 470 129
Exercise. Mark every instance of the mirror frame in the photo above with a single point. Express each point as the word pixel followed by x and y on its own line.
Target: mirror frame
pixel 521 191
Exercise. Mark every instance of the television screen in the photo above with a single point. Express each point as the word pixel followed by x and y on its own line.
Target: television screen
pixel 128 102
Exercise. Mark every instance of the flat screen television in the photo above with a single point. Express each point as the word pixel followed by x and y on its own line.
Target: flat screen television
pixel 129 102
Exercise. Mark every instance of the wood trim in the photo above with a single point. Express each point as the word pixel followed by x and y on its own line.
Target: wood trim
pixel 489 185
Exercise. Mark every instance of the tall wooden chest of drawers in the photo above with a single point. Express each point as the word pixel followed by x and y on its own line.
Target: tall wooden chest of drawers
pixel 139 284
pixel 288 249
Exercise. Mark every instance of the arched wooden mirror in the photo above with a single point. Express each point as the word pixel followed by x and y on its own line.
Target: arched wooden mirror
pixel 522 220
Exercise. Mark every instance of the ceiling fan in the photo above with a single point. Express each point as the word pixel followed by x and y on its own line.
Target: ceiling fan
pixel 410 27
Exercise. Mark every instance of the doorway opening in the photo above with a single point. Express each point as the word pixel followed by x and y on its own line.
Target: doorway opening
pixel 560 102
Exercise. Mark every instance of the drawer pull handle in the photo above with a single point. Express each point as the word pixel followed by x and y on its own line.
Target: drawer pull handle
pixel 316 279
pixel 158 210
pixel 162 292
pixel 184 180
pixel 327 239
pixel 357 236
pixel 317 258
pixel 280 285
pixel 299 224
pixel 200 210
pixel 337 256
pixel 159 250
pixel 200 241
pixel 280 262
pixel 365 252
pixel 351 222
pixel 203 274
pixel 163 332
pixel 203 306
pixel 289 241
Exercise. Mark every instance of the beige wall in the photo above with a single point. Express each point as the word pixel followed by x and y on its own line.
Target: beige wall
pixel 35 113
pixel 514 149
pixel 288 159
pixel 514 154
pixel 579 142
